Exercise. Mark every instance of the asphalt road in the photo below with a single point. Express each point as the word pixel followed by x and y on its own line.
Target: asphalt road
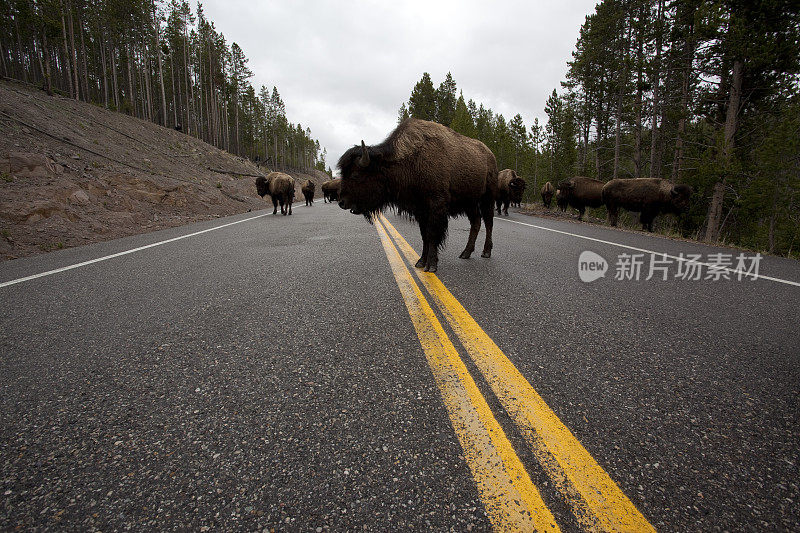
pixel 267 374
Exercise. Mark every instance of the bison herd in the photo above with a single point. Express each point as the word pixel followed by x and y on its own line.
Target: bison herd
pixel 429 172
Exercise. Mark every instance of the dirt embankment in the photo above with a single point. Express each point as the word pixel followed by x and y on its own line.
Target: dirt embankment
pixel 73 173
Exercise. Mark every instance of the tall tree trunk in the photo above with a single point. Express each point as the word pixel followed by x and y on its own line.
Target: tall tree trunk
pixel 637 149
pixel 148 85
pixel 623 79
pixel 773 218
pixel 23 70
pixel 115 78
pixel 187 126
pixel 731 116
pixel 655 165
pixel 86 96
pixel 157 28
pixel 131 96
pixel 74 50
pixel 105 69
pixel 174 92
pixel 3 64
pixel 48 78
pixel 684 110
pixel 68 66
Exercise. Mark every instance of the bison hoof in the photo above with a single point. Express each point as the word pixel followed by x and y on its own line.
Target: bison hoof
pixel 465 255
pixel 486 254
pixel 430 268
pixel 420 263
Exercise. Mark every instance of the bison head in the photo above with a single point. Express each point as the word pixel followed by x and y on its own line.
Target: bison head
pixel 262 186
pixel 516 187
pixel 679 198
pixel 363 189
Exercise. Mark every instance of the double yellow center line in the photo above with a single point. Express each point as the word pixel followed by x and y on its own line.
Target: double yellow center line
pixel 511 500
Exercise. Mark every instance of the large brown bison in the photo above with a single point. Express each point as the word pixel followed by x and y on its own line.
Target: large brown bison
pixel 430 172
pixel 648 196
pixel 516 190
pixel 561 200
pixel 580 193
pixel 509 188
pixel 330 190
pixel 308 189
pixel 280 187
pixel 547 194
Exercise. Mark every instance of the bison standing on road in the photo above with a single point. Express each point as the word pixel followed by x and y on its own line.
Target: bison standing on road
pixel 509 188
pixel 648 196
pixel 280 187
pixel 580 193
pixel 308 189
pixel 547 194
pixel 330 190
pixel 428 171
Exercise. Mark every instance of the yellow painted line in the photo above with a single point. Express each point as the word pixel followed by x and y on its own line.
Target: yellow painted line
pixel 597 502
pixel 510 499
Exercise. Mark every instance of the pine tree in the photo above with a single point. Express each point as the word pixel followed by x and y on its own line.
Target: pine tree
pixel 446 101
pixel 422 103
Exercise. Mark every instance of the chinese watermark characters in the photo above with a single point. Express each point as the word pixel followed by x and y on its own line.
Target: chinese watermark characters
pixel 686 267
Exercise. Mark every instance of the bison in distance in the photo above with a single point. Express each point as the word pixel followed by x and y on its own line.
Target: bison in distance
pixel 547 194
pixel 509 190
pixel 430 172
pixel 330 190
pixel 308 189
pixel 280 187
pixel 580 193
pixel 648 196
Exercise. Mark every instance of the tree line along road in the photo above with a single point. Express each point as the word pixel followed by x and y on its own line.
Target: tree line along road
pixel 298 373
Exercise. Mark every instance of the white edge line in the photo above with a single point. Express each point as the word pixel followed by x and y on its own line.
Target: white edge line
pixel 118 254
pixel 677 258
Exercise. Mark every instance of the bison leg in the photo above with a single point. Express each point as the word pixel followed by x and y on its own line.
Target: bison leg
pixel 436 231
pixel 274 205
pixel 613 214
pixel 289 204
pixel 499 207
pixel 474 227
pixel 646 219
pixel 488 221
pixel 423 260
pixel 505 207
pixel 581 211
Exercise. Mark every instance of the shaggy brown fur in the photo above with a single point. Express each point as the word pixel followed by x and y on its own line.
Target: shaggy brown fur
pixel 308 189
pixel 580 193
pixel 280 187
pixel 547 194
pixel 509 190
pixel 330 190
pixel 430 172
pixel 648 196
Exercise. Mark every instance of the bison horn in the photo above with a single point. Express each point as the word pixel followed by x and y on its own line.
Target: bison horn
pixel 363 161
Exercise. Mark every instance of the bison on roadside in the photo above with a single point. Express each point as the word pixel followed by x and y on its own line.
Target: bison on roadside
pixel 648 196
pixel 308 189
pixel 330 190
pixel 580 193
pixel 280 187
pixel 509 189
pixel 561 200
pixel 547 194
pixel 430 172
pixel 516 190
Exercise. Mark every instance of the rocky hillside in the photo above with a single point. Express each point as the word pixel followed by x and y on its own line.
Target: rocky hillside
pixel 73 173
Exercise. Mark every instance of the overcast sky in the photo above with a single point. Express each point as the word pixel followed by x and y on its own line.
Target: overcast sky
pixel 344 68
